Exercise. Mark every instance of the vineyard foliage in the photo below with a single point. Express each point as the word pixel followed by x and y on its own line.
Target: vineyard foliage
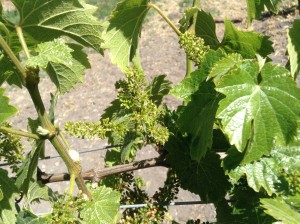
pixel 234 140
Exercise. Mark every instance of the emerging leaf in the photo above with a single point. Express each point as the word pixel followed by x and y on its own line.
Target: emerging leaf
pixel 294 47
pixel 260 109
pixel 45 21
pixel 158 88
pixel 7 204
pixel 122 34
pixel 6 110
pixel 246 43
pixel 104 207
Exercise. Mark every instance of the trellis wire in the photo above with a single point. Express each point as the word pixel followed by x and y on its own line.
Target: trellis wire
pixel 80 151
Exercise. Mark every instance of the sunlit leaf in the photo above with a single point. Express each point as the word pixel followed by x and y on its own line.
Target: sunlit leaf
pixel 245 43
pixel 6 110
pixel 122 34
pixel 255 102
pixel 46 20
pixel 294 47
pixel 7 204
pixel 104 207
pixel 280 210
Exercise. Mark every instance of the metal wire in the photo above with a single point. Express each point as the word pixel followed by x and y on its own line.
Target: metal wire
pixel 163 204
pixel 80 151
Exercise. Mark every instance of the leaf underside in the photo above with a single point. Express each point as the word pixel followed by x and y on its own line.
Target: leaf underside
pixel 122 34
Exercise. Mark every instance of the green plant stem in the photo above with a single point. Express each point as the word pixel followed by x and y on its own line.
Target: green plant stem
pixel 21 133
pixel 14 59
pixel 72 183
pixel 150 5
pixel 22 41
pixel 73 167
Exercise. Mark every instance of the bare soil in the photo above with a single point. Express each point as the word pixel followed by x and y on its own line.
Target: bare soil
pixel 160 55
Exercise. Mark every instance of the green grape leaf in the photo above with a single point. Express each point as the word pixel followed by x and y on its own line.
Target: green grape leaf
pixel 132 143
pixel 45 21
pixel 37 192
pixel 122 34
pixel 158 88
pixel 205 178
pixel 66 75
pixel 246 43
pixel 6 110
pixel 255 7
pixel 26 217
pixel 256 101
pixel 7 204
pixel 1 194
pixel 197 119
pixel 205 28
pixel 280 210
pixel 190 84
pixel 28 169
pixel 104 207
pixel 293 47
pixel 185 21
pixel 56 51
pixel 265 173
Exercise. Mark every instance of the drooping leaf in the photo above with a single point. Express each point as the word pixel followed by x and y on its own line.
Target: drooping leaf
pixel 197 119
pixel 158 88
pixel 132 143
pixel 28 169
pixel 122 34
pixel 6 110
pixel 205 28
pixel 104 207
pixel 66 75
pixel 256 101
pixel 245 43
pixel 293 47
pixel 187 19
pixel 280 210
pixel 27 217
pixel 37 192
pixel 191 83
pixel 205 178
pixel 255 8
pixel 7 204
pixel 45 21
pixel 267 172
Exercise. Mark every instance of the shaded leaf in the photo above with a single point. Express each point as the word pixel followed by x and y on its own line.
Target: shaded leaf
pixel 293 47
pixel 7 204
pixel 45 21
pixel 6 110
pixel 255 7
pixel 280 210
pixel 246 43
pixel 37 192
pixel 192 82
pixel 205 28
pixel 205 178
pixel 197 119
pixel 158 88
pixel 27 171
pixel 255 101
pixel 26 217
pixel 104 208
pixel 122 34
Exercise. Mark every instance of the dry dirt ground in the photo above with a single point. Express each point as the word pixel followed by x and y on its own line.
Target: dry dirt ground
pixel 160 55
